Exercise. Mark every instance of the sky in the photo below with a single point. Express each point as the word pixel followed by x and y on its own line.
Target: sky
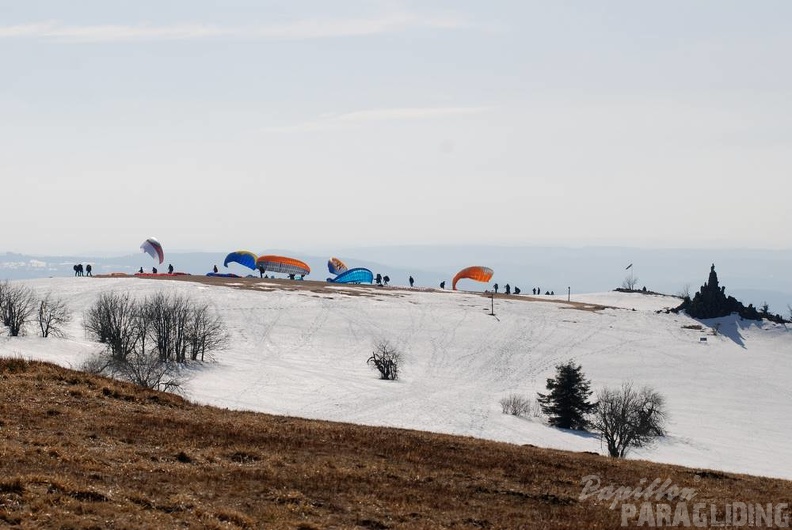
pixel 310 125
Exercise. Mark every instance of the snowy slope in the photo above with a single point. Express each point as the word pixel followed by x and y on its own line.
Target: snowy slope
pixel 303 353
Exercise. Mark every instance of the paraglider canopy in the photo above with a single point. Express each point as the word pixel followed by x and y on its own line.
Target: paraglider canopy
pixel 283 265
pixel 243 257
pixel 336 266
pixel 153 248
pixel 358 275
pixel 477 273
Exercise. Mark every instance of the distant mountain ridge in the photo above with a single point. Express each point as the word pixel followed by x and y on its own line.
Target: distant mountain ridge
pixel 750 275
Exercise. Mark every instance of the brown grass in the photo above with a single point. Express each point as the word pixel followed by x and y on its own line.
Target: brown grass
pixel 280 284
pixel 80 451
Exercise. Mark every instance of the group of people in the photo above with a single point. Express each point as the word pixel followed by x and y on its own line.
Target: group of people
pixel 154 269
pixel 79 271
pixel 508 290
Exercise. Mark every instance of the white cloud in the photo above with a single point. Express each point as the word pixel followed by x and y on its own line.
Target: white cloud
pixel 316 28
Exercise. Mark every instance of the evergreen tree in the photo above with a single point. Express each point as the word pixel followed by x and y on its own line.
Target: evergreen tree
pixel 566 404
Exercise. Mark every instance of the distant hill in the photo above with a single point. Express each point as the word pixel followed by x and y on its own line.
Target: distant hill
pixel 752 276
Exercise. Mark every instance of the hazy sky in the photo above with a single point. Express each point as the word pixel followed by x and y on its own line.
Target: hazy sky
pixel 313 124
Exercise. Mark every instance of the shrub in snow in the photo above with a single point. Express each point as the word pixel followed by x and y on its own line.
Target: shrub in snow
pixel 516 405
pixel 386 359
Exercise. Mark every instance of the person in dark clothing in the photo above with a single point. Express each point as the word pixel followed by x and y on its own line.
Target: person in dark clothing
pixel 291 276
pixel 386 279
pixel 154 270
pixel 508 289
pixel 140 271
pixel 75 270
pixel 516 290
pixel 442 284
pixel 170 268
pixel 496 288
pixel 533 290
pixel 214 269
pixel 88 270
pixel 378 279
pixel 261 272
pixel 411 281
pixel 79 269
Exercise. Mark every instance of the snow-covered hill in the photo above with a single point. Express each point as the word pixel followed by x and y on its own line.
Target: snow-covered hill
pixel 303 353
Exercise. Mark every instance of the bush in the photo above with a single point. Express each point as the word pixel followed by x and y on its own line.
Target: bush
pixel 386 359
pixel 515 404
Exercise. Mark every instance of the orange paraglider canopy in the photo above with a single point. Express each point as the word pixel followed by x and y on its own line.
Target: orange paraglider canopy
pixel 478 273
pixel 282 265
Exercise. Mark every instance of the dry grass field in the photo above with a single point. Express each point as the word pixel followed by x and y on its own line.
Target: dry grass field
pixel 79 451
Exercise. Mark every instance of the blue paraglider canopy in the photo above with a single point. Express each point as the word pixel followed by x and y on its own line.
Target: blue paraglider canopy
pixel 358 275
pixel 243 257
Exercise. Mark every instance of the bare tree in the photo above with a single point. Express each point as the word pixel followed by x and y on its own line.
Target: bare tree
pixel 3 294
pixel 627 418
pixel 630 281
pixel 53 314
pixel 17 304
pixel 115 321
pixel 148 341
pixel 206 332
pixel 386 359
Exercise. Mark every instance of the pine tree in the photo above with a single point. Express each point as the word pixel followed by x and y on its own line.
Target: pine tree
pixel 566 404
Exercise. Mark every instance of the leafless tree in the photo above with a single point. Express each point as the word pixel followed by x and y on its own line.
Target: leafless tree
pixel 115 321
pixel 627 418
pixel 17 304
pixel 150 340
pixel 53 314
pixel 386 359
pixel 630 281
pixel 167 316
pixel 206 332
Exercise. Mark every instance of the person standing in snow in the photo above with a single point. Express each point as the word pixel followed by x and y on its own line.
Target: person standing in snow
pixel 411 281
